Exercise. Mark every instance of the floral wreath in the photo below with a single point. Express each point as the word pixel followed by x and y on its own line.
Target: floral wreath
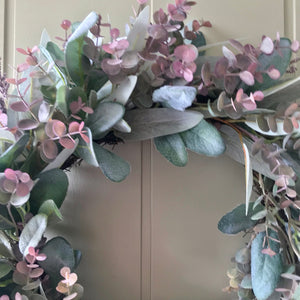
pixel 68 101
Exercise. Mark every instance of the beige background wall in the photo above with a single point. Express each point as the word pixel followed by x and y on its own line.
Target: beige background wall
pixel 153 236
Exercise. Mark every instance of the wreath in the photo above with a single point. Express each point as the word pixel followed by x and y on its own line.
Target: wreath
pixel 68 101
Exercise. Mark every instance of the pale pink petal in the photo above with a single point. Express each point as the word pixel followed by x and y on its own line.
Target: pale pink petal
pixel 268 251
pixel 65 271
pixel 273 73
pixel 73 127
pixel 22 189
pixel 18 296
pixel 229 55
pixel 65 24
pixel 22 51
pixel 59 128
pixel 22 67
pixel 188 75
pixel 258 95
pixel 85 138
pixel 62 288
pixel 67 142
pixel 10 174
pixel 295 46
pixel 41 257
pixel 247 78
pixel 267 45
pixel 239 95
pixel 49 149
pixel 87 110
pixel 115 32
pixel 24 177
pixel 187 53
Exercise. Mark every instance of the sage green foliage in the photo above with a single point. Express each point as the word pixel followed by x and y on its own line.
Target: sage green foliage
pixel 105 116
pixel 5 267
pixel 150 123
pixel 52 212
pixel 236 220
pixel 172 148
pixel 44 189
pixel 265 269
pixel 205 139
pixel 76 62
pixel 113 167
pixel 5 222
pixel 59 254
pixel 7 159
pixel 32 233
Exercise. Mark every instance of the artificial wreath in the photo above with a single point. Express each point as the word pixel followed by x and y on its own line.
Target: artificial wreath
pixel 70 100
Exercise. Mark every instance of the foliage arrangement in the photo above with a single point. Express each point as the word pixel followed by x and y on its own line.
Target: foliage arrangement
pixel 70 100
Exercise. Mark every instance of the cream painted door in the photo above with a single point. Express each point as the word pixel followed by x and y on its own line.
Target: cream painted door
pixel 153 236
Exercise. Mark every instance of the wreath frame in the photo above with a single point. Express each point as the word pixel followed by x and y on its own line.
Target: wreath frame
pixel 155 83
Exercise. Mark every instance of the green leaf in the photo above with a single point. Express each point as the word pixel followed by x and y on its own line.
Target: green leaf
pixel 280 60
pixel 199 41
pixel 8 157
pixel 5 223
pixel 5 247
pixel 105 116
pixel 55 51
pixel 50 209
pixel 53 185
pixel 61 100
pixel 236 220
pixel 96 79
pixel 75 61
pixel 113 167
pixel 59 254
pixel 150 123
pixel 5 267
pixel 86 151
pixel 265 269
pixel 32 233
pixel 204 139
pixel 246 282
pixel 172 148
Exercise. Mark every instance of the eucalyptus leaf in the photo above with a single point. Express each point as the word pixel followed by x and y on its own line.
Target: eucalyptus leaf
pixel 105 116
pixel 9 156
pixel 172 148
pixel 204 139
pixel 236 220
pixel 61 100
pixel 246 282
pixel 248 175
pixel 265 269
pixel 59 254
pixel 280 59
pixel 113 167
pixel 32 233
pixel 74 58
pixel 53 185
pixel 150 123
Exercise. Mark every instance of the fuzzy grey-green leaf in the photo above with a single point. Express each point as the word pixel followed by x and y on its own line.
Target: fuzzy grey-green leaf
pixel 172 148
pixel 205 139
pixel 265 269
pixel 32 233
pixel 150 123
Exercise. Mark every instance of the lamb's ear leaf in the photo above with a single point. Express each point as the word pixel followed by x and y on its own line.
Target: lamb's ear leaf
pixel 172 148
pixel 32 233
pixel 113 166
pixel 265 269
pixel 205 139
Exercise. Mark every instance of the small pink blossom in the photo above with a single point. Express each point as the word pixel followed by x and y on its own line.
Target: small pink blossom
pixel 77 106
pixel 184 65
pixel 16 182
pixel 248 102
pixel 268 251
pixel 65 285
pixel 178 12
pixel 141 2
